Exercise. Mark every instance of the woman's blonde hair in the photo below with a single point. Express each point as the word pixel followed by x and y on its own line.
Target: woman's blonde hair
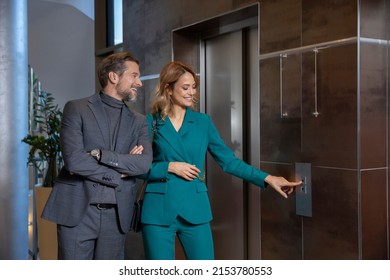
pixel 169 75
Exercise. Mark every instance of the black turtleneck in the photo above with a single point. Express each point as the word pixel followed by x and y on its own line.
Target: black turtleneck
pixel 113 109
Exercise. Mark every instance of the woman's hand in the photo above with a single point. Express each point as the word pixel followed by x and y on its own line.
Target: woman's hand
pixel 281 185
pixel 184 170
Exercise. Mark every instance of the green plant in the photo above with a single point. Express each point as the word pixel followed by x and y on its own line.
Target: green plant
pixel 45 142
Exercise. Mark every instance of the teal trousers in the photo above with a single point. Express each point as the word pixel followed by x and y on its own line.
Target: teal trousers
pixel 159 241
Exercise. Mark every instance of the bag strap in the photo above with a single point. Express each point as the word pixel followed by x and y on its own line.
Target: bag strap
pixel 141 193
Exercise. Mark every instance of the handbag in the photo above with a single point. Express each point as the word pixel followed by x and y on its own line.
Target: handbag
pixel 135 224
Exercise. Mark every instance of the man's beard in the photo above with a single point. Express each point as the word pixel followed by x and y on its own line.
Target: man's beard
pixel 127 96
pixel 130 98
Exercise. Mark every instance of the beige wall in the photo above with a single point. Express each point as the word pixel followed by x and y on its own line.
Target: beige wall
pixel 61 49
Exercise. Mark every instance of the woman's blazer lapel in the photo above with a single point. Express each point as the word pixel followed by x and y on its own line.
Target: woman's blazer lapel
pixel 173 138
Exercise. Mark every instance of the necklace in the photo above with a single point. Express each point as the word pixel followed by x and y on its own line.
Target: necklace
pixel 176 122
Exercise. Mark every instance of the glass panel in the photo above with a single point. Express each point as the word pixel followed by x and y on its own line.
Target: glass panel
pixel 280 109
pixel 330 139
pixel 118 22
pixel 114 22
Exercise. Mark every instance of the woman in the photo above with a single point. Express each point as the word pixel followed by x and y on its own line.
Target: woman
pixel 176 200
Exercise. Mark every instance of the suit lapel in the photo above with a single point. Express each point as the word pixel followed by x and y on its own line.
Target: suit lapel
pixel 173 138
pixel 125 126
pixel 187 123
pixel 101 119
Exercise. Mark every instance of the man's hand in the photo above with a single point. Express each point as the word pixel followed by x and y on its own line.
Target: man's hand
pixel 137 150
pixel 281 185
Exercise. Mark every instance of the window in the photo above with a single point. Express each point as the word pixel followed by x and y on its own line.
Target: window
pixel 114 22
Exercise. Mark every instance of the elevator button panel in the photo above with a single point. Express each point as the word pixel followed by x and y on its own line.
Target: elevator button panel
pixel 303 203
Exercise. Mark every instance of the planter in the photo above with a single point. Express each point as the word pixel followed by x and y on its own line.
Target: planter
pixel 47 231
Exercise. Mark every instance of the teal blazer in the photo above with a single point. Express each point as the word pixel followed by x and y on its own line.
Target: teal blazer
pixel 167 195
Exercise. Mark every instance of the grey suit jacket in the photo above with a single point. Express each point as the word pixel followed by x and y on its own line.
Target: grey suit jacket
pixel 85 127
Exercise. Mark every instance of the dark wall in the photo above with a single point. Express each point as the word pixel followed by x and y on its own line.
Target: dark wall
pixel 346 83
pixel 148 26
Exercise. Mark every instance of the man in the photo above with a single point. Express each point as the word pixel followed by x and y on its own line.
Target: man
pixel 104 145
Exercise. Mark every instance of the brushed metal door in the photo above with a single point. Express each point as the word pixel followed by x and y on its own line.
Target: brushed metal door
pixel 225 87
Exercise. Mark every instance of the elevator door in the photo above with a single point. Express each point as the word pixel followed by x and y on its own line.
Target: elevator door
pixel 225 92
